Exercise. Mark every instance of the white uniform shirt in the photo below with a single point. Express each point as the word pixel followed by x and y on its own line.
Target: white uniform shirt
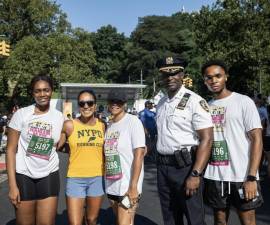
pixel 233 117
pixel 178 120
pixel 47 125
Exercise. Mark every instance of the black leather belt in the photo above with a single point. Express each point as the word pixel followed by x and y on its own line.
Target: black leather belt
pixel 168 160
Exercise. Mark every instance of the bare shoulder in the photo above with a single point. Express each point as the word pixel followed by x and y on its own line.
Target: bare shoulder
pixel 68 127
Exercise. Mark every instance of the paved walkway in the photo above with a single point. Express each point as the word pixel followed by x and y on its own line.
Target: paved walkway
pixel 3 175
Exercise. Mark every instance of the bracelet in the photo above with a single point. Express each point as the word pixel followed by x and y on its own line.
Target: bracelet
pixel 251 178
pixel 195 173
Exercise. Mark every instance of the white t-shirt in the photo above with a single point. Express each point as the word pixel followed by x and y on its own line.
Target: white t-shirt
pixel 129 135
pixel 233 117
pixel 47 127
pixel 179 118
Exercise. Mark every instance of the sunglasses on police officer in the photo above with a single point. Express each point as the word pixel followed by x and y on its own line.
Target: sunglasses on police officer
pixel 90 103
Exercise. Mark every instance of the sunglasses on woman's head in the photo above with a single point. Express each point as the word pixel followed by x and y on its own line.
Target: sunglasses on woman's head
pixel 90 103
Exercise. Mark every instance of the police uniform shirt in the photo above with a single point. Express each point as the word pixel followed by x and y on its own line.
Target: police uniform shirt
pixel 179 118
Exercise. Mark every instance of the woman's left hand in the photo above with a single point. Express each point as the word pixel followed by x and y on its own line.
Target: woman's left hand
pixel 133 194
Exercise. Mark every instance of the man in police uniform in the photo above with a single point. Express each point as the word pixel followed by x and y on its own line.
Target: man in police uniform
pixel 184 141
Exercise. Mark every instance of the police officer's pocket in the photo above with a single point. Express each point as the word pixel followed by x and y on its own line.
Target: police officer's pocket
pixel 179 117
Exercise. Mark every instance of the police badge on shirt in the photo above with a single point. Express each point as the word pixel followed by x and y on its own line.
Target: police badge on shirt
pixel 204 105
pixel 183 102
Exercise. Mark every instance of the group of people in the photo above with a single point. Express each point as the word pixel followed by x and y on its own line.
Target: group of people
pixel 197 143
pixel 199 140
pixel 100 160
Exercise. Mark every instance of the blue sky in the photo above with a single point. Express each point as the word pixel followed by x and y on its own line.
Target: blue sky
pixel 122 14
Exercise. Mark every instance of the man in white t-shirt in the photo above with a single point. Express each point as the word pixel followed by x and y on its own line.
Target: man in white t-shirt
pixel 232 172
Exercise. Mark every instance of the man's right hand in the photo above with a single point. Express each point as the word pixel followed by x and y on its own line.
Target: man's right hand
pixel 14 196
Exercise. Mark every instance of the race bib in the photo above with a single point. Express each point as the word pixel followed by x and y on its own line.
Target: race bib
pixel 40 147
pixel 220 154
pixel 112 159
pixel 113 167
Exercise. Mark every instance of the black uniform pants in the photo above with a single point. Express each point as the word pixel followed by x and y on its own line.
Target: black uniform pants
pixel 174 202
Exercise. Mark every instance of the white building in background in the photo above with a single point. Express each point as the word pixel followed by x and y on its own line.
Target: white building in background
pixel 70 91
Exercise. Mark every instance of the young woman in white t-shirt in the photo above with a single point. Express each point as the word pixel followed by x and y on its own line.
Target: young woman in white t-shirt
pixel 32 161
pixel 124 152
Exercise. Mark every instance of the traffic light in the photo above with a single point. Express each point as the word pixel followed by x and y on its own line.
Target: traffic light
pixel 4 48
pixel 190 82
pixel 187 82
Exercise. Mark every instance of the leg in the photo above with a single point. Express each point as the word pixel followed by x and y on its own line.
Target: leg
pixel 25 213
pixel 93 205
pixel 221 216
pixel 246 209
pixel 247 217
pixel 194 208
pixel 171 215
pixel 46 211
pixel 75 208
pixel 267 155
pixel 114 205
pixel 126 216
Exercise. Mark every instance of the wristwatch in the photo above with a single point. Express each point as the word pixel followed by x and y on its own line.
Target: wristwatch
pixel 195 173
pixel 251 178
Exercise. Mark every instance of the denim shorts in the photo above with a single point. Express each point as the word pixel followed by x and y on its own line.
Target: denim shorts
pixel 81 187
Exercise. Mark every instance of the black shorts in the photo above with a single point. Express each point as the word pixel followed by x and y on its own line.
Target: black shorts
pixel 115 198
pixel 213 195
pixel 36 189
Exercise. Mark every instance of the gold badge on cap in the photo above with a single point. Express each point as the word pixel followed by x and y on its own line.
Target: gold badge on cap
pixel 169 60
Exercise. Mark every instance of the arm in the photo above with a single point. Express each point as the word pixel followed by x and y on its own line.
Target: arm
pixel 65 133
pixel 13 138
pixel 202 157
pixel 250 187
pixel 135 174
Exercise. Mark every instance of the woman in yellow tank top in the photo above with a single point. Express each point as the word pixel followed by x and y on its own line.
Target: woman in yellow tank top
pixel 85 181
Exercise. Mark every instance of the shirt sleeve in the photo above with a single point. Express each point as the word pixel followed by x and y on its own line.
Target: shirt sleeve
pixel 265 113
pixel 142 117
pixel 16 121
pixel 201 117
pixel 251 115
pixel 137 134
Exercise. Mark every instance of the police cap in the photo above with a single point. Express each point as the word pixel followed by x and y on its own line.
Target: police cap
pixel 171 65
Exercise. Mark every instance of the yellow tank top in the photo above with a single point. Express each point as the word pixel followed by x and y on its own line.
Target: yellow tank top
pixel 86 150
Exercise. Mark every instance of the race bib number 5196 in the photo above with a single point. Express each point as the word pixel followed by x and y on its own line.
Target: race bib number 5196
pixel 220 154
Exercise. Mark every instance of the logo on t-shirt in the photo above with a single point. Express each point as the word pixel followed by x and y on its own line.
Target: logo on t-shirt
pixel 220 154
pixel 218 118
pixel 40 140
pixel 87 137
pixel 112 158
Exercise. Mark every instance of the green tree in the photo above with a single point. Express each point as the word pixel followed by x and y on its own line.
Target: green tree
pixel 156 37
pixel 109 48
pixel 66 58
pixel 238 32
pixel 20 18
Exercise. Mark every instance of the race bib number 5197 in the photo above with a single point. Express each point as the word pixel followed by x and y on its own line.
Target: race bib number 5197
pixel 40 147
